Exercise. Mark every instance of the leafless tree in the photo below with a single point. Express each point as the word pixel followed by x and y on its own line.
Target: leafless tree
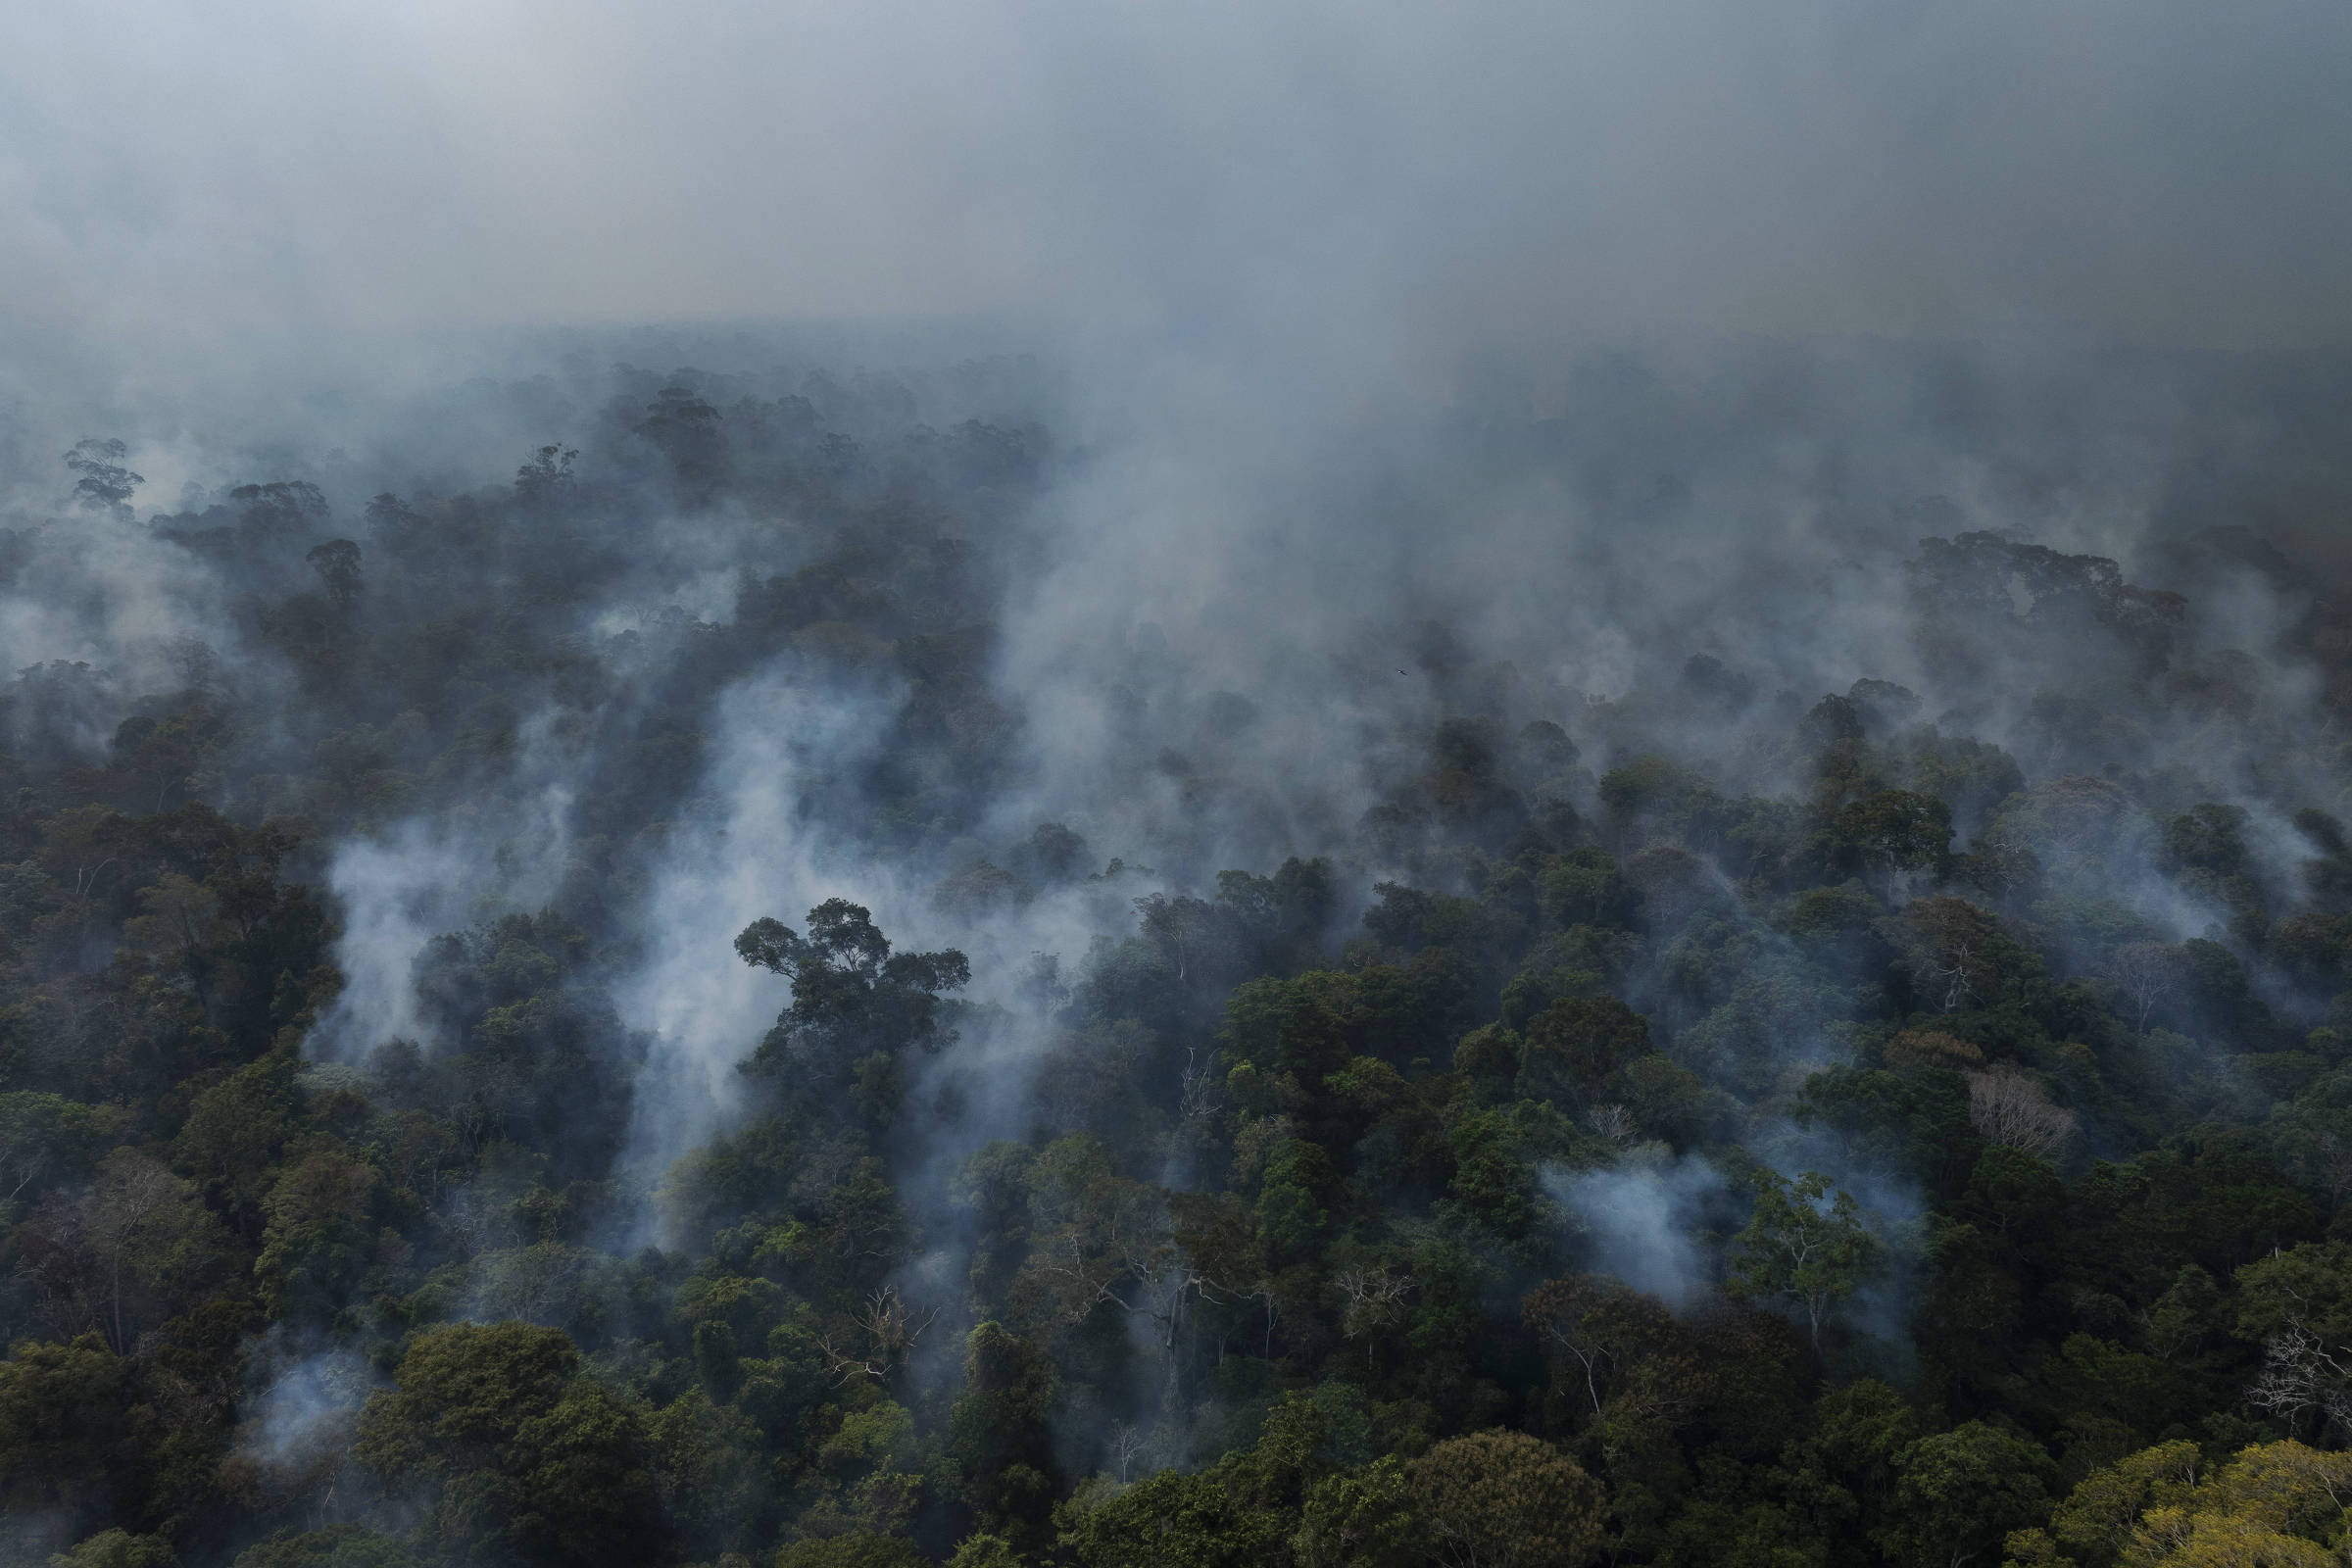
pixel 2302 1380
pixel 1375 1302
pixel 1198 1098
pixel 2151 973
pixel 890 1323
pixel 846 1361
pixel 1127 1440
pixel 1955 970
pixel 2009 1106
pixel 883 1331
pixel 1613 1122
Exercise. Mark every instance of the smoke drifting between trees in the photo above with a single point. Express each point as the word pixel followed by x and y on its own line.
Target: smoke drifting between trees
pixel 1622 967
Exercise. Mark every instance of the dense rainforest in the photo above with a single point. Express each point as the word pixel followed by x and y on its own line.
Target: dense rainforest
pixel 1901 1119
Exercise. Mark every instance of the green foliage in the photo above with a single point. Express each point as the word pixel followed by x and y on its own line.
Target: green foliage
pixel 65 1422
pixel 47 1138
pixel 335 1547
pixel 857 1008
pixel 1959 1492
pixel 515 1453
pixel 1270 1211
pixel 1507 1498
pixel 1001 1437
pixel 2164 1507
pixel 856 1550
pixel 1169 1521
pixel 1361 1518
pixel 1804 1245
pixel 118 1548
pixel 984 1551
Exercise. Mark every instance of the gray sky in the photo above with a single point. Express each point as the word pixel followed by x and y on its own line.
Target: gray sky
pixel 208 176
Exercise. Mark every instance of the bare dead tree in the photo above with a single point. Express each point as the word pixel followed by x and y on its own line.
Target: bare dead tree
pixel 1198 1098
pixel 846 1363
pixel 1613 1122
pixel 1127 1440
pixel 885 1332
pixel 1956 969
pixel 2150 973
pixel 1120 1251
pixel 1604 1325
pixel 2009 1106
pixel 890 1323
pixel 2303 1381
pixel 1375 1301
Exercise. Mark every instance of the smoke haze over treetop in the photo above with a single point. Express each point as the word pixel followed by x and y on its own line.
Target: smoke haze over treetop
pixel 2161 171
pixel 1028 783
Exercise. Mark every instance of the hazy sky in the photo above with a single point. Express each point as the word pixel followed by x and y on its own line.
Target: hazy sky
pixel 200 175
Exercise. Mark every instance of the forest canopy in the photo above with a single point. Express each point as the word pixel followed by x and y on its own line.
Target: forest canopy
pixel 737 998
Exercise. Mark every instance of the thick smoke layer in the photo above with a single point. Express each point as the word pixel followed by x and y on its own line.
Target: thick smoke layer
pixel 1339 183
pixel 1014 467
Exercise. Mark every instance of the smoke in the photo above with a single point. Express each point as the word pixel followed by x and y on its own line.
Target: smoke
pixel 394 897
pixel 1343 183
pixel 300 1419
pixel 1644 1221
pixel 399 889
pixel 1599 364
pixel 755 850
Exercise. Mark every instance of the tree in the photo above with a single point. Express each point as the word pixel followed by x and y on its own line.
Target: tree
pixel 1844 1463
pixel 1948 946
pixel 1374 1300
pixel 1803 1243
pixel 335 1547
pixel 118 1548
pixel 2150 973
pixel 1673 883
pixel 1504 1500
pixel 105 483
pixel 460 1393
pixel 687 431
pixel 2009 1106
pixel 45 1136
pixel 981 1549
pixel 107 1259
pixel 511 1456
pixel 2306 1382
pixel 1001 1438
pixel 1959 1492
pixel 1575 1044
pixel 857 1008
pixel 337 564
pixel 544 479
pixel 1897 832
pixel 709 1472
pixel 2272 1505
pixel 1170 1521
pixel 1102 1240
pixel 317 1243
pixel 858 1548
pixel 2309 1286
pixel 2095 1520
pixel 64 1425
pixel 1601 1324
pixel 1362 1518
pixel 1583 886
pixel 583 1493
